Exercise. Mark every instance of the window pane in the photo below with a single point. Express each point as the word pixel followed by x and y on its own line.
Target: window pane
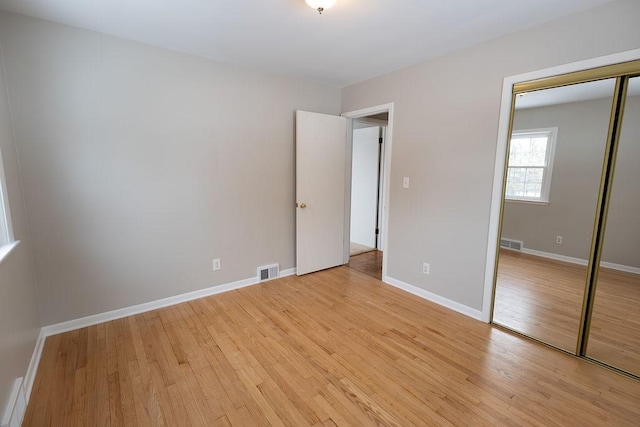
pixel 524 182
pixel 530 150
pixel 538 152
pixel 4 229
pixel 532 191
pixel 534 175
pixel 515 189
pixel 519 151
pixel 517 175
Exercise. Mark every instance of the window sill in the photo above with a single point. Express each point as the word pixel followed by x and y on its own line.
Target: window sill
pixel 5 250
pixel 528 202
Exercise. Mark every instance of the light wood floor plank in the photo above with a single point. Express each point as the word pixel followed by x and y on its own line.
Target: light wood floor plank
pixel 543 298
pixel 332 348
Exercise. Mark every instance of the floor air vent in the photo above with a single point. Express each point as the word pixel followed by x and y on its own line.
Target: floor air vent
pixel 268 272
pixel 516 245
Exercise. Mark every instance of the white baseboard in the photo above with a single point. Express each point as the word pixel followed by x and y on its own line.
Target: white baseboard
pixel 30 376
pixel 580 261
pixel 83 322
pixel 16 406
pixel 19 399
pixel 620 267
pixel 455 306
pixel 557 257
pixel 46 331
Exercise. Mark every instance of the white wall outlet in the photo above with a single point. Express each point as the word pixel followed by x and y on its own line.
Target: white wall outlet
pixel 559 240
pixel 425 268
pixel 405 182
pixel 216 264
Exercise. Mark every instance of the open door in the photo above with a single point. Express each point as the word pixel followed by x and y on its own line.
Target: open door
pixel 321 150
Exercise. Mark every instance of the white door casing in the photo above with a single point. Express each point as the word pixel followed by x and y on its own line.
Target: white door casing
pixel 321 146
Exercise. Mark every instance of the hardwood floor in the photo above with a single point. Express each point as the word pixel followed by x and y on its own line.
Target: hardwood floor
pixel 357 249
pixel 369 263
pixel 615 326
pixel 543 298
pixel 332 348
pixel 539 297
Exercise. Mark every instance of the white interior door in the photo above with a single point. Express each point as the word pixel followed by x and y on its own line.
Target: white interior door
pixel 321 148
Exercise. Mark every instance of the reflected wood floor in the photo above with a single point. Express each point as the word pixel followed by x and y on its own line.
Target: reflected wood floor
pixel 543 298
pixel 369 263
pixel 357 249
pixel 331 348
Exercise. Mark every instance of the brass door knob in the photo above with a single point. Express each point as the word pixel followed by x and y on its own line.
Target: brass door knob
pixel 303 205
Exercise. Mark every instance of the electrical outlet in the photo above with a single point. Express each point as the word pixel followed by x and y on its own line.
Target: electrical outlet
pixel 216 264
pixel 425 268
pixel 559 240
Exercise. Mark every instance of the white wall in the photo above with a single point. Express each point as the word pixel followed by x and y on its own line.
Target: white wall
pixel 445 131
pixel 364 185
pixel 141 165
pixel 19 322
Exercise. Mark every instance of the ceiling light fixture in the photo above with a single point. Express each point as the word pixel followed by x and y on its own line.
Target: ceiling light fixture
pixel 320 5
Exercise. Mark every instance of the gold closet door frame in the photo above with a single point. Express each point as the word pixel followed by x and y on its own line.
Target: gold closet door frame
pixel 622 72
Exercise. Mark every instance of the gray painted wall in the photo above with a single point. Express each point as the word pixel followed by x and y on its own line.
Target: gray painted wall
pixel 19 322
pixel 445 130
pixel 581 139
pixel 622 238
pixel 141 165
pixel 582 135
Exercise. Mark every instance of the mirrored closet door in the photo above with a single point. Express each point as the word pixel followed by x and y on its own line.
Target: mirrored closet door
pixel 568 263
pixel 556 153
pixel 614 333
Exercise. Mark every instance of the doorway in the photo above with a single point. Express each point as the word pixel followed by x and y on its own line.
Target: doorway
pixel 323 187
pixel 366 230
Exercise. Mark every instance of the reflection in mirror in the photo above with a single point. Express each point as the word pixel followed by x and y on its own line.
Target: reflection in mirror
pixel 553 178
pixel 614 336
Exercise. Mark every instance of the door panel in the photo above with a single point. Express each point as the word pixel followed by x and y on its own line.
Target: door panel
pixel 614 335
pixel 321 145
pixel 540 285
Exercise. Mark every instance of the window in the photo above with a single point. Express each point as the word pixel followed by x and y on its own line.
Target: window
pixel 4 227
pixel 530 165
pixel 5 224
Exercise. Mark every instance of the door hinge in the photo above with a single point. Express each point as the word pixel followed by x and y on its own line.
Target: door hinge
pixel 380 140
pixel 377 231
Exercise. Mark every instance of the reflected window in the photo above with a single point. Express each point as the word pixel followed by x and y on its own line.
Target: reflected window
pixel 530 165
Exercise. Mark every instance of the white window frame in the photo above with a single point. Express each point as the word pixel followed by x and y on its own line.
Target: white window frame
pixel 6 231
pixel 548 168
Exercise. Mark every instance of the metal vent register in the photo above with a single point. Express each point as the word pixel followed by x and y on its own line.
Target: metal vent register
pixel 268 272
pixel 516 245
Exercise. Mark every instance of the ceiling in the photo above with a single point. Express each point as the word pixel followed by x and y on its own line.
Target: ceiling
pixel 351 42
